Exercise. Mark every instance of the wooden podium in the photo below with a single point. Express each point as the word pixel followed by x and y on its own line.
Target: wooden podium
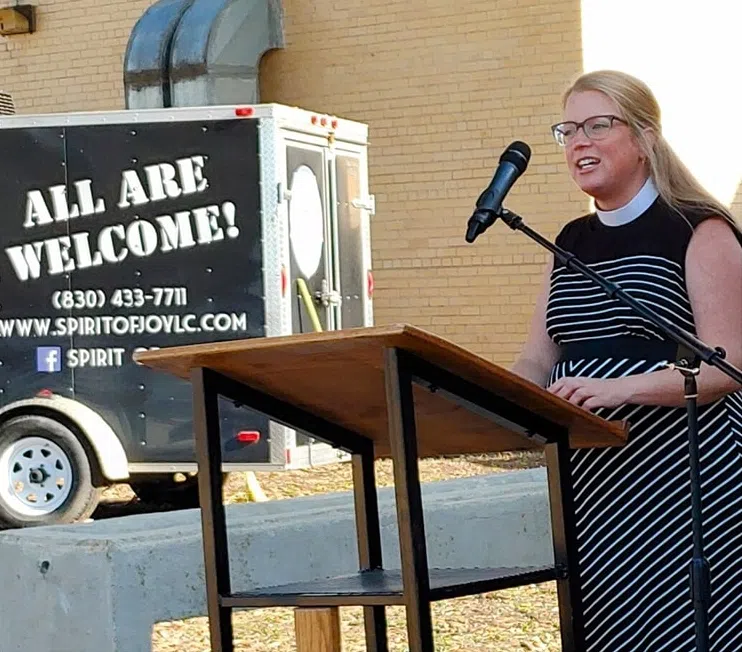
pixel 390 391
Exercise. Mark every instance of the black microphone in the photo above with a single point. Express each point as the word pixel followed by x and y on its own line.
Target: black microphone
pixel 513 163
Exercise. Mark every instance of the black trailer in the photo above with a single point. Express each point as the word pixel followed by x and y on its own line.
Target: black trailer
pixel 131 230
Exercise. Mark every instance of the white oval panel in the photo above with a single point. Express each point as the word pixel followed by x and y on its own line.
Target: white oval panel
pixel 306 227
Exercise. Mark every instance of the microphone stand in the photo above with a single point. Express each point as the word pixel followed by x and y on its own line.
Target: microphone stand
pixel 691 352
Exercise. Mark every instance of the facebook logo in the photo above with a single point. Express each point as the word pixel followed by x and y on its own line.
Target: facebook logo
pixel 49 359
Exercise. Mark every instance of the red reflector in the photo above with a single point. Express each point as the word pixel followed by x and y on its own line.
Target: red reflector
pixel 323 122
pixel 248 436
pixel 45 393
pixel 314 119
pixel 284 280
pixel 334 124
pixel 370 283
pixel 244 111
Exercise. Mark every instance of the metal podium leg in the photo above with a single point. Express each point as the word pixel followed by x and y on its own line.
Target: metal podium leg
pixel 564 530
pixel 213 523
pixel 368 528
pixel 403 439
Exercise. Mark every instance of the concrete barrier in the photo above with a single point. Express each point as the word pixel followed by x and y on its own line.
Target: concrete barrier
pixel 100 587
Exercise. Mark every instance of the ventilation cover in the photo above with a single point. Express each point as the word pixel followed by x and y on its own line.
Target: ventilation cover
pixel 200 52
pixel 6 104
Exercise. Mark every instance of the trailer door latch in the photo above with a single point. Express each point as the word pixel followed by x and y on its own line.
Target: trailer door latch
pixel 367 204
pixel 327 297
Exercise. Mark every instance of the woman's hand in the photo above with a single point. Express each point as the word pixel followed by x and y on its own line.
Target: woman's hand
pixel 592 393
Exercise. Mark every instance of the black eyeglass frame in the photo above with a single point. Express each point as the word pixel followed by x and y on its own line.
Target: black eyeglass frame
pixel 581 125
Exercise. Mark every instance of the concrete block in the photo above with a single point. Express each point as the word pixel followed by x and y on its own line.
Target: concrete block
pixel 101 586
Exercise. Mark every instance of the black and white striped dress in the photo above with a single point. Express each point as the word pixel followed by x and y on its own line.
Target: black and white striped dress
pixel 633 504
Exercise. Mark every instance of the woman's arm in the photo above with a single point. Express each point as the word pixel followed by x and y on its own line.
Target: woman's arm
pixel 539 353
pixel 714 282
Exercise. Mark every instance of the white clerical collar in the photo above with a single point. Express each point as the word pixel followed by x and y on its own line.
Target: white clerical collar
pixel 629 212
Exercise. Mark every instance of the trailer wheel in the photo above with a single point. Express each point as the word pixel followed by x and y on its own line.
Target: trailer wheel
pixel 45 474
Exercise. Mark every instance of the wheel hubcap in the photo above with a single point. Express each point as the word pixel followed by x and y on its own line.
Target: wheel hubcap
pixel 35 476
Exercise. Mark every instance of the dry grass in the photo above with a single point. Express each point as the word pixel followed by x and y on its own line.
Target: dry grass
pixel 519 619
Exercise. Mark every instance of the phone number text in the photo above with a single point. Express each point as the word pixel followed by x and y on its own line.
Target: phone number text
pixel 119 298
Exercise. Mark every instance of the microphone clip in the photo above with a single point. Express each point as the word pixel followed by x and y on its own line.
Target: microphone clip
pixel 483 218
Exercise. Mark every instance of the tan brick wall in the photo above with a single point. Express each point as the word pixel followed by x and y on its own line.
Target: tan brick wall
pixel 74 60
pixel 445 87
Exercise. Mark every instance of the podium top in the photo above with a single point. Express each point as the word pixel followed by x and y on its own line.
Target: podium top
pixel 339 376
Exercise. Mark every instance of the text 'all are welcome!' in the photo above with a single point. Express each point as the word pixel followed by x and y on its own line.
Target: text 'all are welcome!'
pixel 198 226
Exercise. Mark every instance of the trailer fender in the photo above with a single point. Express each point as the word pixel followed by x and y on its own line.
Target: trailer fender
pixel 109 452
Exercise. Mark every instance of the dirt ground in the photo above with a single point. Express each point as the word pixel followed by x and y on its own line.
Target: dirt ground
pixel 519 619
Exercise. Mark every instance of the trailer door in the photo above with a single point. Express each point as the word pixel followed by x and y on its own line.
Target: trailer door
pixel 352 255
pixel 308 234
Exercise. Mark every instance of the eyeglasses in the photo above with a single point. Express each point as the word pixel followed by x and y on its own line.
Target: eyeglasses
pixel 596 127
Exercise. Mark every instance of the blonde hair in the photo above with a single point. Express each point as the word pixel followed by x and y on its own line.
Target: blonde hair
pixel 639 108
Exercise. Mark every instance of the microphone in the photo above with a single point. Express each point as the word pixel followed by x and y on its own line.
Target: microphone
pixel 513 163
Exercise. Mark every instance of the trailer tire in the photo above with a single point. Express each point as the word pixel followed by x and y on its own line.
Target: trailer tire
pixel 34 450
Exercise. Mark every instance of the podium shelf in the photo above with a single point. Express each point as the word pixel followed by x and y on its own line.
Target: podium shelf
pixel 384 587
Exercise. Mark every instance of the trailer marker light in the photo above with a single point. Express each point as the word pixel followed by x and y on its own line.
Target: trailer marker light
pixel 284 280
pixel 314 119
pixel 44 393
pixel 370 283
pixel 248 436
pixel 334 124
pixel 323 122
pixel 244 111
